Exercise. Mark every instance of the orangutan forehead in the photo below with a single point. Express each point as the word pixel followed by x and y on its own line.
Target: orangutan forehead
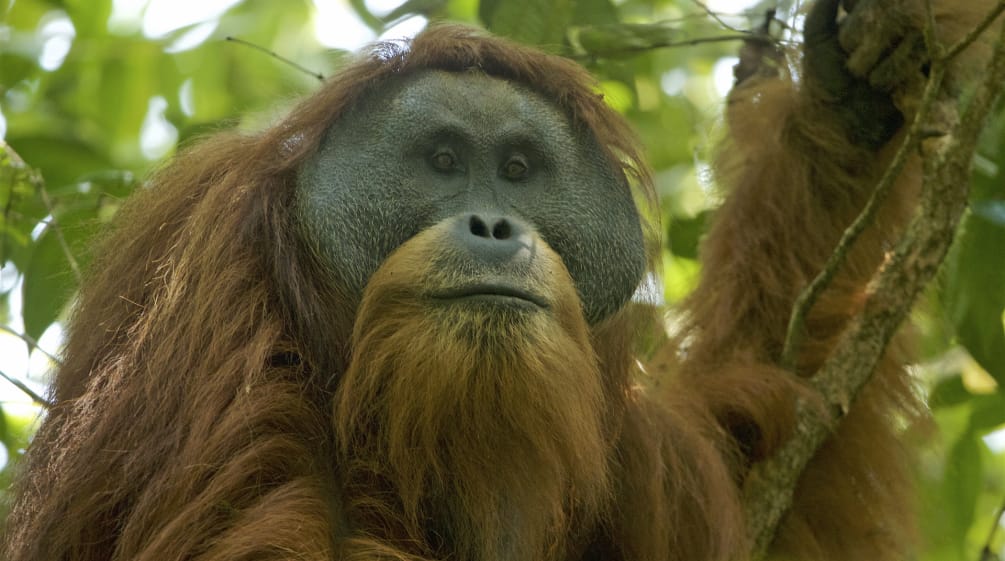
pixel 475 101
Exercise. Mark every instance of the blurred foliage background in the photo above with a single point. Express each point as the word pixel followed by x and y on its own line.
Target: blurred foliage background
pixel 94 93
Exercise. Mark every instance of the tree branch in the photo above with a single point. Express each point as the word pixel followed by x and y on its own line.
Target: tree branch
pixel 967 40
pixel 908 270
pixel 808 297
pixel 27 391
pixel 277 56
pixel 31 342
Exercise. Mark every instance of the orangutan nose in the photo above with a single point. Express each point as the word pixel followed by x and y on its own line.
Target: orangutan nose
pixel 492 239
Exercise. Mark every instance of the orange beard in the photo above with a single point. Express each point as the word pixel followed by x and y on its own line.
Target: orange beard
pixel 470 428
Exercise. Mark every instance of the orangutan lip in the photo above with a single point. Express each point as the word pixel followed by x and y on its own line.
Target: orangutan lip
pixel 492 291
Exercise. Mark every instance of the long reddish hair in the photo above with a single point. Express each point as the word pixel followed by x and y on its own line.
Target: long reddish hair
pixel 192 414
pixel 220 399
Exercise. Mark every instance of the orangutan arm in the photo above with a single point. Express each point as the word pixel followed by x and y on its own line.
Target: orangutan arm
pixel 801 161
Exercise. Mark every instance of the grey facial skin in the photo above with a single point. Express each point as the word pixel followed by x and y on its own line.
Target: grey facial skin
pixel 441 145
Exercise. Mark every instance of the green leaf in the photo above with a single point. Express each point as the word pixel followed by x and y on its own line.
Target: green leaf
pixel 48 284
pixel 19 423
pixel 529 21
pixel 949 392
pixel 487 10
pixel 49 280
pixel 425 8
pixel 975 292
pixel 62 160
pixel 364 13
pixel 624 39
pixel 115 182
pixel 20 204
pixel 4 433
pixel 684 234
pixel 988 413
pixel 128 82
pixel 680 276
pixel 962 485
pixel 90 17
pixel 595 12
pixel 16 67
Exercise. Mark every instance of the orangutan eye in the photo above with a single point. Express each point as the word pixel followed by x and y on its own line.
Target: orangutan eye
pixel 515 168
pixel 444 160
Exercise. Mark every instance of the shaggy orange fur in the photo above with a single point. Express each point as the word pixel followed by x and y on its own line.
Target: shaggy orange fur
pixel 193 415
pixel 218 400
pixel 794 184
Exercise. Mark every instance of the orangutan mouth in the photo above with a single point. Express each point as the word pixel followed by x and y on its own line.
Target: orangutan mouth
pixel 493 292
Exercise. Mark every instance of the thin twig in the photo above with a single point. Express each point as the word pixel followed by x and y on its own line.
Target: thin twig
pixel 38 183
pixel 27 391
pixel 276 56
pixel 668 45
pixel 970 37
pixel 808 297
pixel 31 342
pixel 914 262
pixel 58 231
pixel 986 550
pixel 373 22
pixel 932 44
pixel 715 16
